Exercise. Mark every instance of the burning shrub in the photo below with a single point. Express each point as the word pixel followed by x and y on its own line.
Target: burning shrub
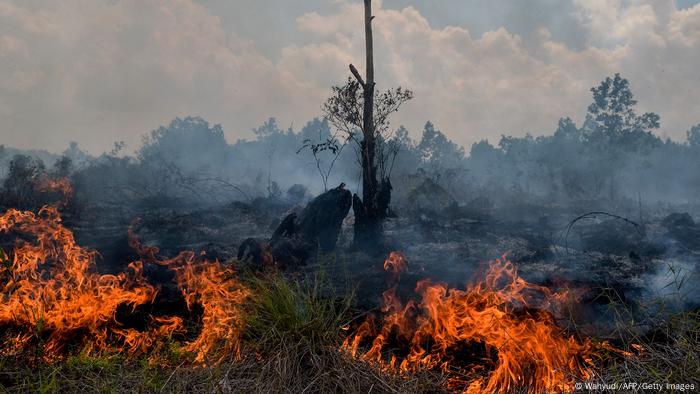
pixel 295 328
pixel 222 297
pixel 30 186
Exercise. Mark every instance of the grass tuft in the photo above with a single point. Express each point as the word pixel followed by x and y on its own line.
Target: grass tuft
pixel 295 312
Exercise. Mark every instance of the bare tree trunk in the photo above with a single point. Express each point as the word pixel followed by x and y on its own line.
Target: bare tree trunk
pixel 369 181
pixel 367 214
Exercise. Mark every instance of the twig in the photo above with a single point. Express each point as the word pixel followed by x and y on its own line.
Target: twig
pixel 170 377
pixel 592 214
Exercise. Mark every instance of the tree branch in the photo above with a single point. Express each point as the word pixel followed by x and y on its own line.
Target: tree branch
pixel 357 75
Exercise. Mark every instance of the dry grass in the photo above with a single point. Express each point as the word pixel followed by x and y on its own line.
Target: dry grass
pixel 287 371
pixel 291 346
pixel 668 354
pixel 664 344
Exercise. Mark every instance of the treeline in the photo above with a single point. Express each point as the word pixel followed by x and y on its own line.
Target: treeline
pixel 613 156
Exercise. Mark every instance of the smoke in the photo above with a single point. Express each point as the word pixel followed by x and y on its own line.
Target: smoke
pixel 673 286
pixel 453 210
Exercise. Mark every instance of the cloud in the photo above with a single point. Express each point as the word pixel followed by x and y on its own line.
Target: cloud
pixel 473 87
pixel 684 26
pixel 661 54
pixel 101 72
pixel 479 87
pixel 98 71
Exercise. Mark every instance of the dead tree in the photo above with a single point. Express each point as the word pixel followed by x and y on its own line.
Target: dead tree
pixel 367 218
pixel 356 106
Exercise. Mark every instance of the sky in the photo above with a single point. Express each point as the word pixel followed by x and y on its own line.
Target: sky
pixel 100 71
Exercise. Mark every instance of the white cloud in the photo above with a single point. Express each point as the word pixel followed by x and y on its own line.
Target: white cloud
pixel 684 26
pixel 472 87
pixel 101 72
pixel 97 71
pixel 479 87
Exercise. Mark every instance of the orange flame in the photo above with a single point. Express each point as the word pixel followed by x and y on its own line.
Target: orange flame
pixel 50 290
pixel 61 185
pixel 221 296
pixel 216 289
pixel 395 263
pixel 50 285
pixel 525 348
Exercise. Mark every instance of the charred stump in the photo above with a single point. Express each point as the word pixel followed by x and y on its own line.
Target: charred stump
pixel 298 237
pixel 384 198
pixel 369 217
pixel 322 219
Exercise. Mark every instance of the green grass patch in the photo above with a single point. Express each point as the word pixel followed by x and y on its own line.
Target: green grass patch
pixel 307 313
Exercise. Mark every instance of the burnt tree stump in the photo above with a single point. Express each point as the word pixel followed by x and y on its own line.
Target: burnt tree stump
pixel 299 237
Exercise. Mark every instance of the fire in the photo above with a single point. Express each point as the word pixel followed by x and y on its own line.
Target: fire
pixel 395 263
pixel 51 293
pixel 512 319
pixel 217 290
pixel 222 297
pixel 61 185
pixel 50 286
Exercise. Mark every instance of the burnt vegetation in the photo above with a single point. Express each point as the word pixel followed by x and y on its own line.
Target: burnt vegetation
pixel 194 263
pixel 607 207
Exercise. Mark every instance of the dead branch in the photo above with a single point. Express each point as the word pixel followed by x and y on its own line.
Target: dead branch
pixel 593 214
pixel 357 75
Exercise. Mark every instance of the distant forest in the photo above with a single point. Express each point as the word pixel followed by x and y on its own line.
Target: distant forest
pixel 614 157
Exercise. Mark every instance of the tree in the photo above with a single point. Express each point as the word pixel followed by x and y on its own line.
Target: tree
pixel 483 151
pixel 63 167
pixel 319 140
pixel 567 130
pixel 3 153
pixel 185 159
pixel 438 151
pixel 77 156
pixel 613 129
pixel 268 133
pixel 388 151
pixel 355 107
pixel 190 143
pixel 612 120
pixel 22 184
pixel 694 136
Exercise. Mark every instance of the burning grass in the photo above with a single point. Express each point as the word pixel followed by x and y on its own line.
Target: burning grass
pixel 62 330
pixel 669 353
pixel 54 298
pixel 519 346
pixel 293 330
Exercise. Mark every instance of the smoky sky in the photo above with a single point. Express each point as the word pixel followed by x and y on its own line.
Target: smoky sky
pixel 103 71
